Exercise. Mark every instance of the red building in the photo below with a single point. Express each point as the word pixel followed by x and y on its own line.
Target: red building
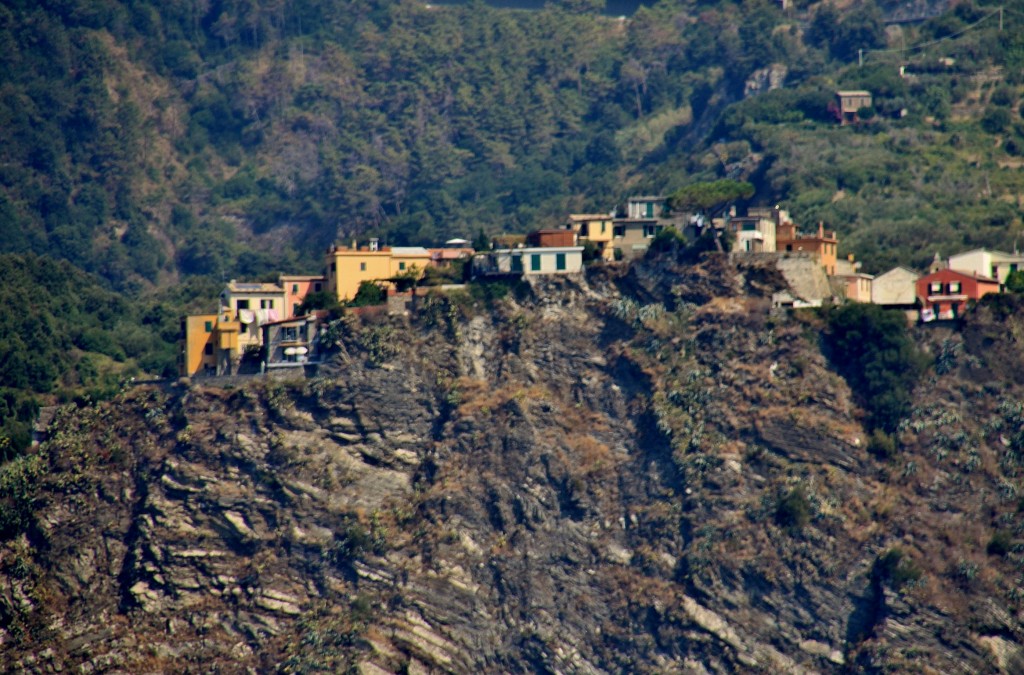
pixel 944 294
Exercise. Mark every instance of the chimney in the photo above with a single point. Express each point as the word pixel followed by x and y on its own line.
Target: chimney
pixel 821 229
pixel 374 244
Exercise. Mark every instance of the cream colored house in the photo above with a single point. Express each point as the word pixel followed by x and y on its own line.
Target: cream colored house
pixel 529 261
pixel 895 288
pixel 983 262
pixel 252 305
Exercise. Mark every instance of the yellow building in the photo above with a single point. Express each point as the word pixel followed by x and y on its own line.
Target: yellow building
pixel 596 228
pixel 349 267
pixel 209 344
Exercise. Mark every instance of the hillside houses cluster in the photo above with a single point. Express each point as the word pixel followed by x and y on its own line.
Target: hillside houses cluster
pixel 267 318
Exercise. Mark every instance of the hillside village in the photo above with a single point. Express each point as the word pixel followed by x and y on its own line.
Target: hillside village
pixel 264 326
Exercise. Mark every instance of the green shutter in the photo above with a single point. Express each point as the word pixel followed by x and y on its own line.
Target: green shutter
pixel 517 263
pixel 559 261
pixel 535 262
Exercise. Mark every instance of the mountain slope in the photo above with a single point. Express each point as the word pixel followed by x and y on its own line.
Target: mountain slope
pixel 640 472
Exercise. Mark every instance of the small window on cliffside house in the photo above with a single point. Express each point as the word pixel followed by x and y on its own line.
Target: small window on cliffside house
pixel 362 267
pixel 954 287
pixel 209 326
pixel 935 287
pixel 559 261
pixel 208 349
pixel 535 263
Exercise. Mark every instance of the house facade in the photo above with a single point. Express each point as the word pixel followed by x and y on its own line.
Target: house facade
pixel 856 285
pixel 346 268
pixel 847 104
pixel 296 288
pixel 290 343
pixel 529 261
pixel 993 264
pixel 251 305
pixel 822 245
pixel 752 233
pixel 597 229
pixel 549 238
pixel 646 207
pixel 633 236
pixel 208 344
pixel 944 294
pixel 896 288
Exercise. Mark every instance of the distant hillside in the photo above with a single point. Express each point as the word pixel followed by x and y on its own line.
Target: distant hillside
pixel 144 141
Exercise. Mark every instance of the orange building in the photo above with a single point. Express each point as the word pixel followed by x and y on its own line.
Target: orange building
pixel 822 245
pixel 209 344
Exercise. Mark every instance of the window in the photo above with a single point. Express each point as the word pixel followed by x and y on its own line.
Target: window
pixel 209 326
pixel 334 267
pixel 559 261
pixel 649 209
pixel 954 287
pixel 401 266
pixel 295 288
pixel 208 349
pixel 535 262
pixel 619 231
pixel 362 267
pixel 935 287
pixel 316 287
pixel 295 308
pixel 789 247
pixel 604 225
pixel 266 304
pixel 648 231
pixel 517 263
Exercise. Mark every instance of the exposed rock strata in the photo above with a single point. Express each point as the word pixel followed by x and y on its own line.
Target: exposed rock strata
pixel 585 479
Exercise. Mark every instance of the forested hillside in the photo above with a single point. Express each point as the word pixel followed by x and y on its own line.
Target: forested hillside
pixel 163 148
pixel 147 140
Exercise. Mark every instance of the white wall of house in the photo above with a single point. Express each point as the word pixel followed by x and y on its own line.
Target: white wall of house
pixel 986 263
pixel 895 287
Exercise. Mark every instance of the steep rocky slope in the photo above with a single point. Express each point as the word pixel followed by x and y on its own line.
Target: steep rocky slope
pixel 644 471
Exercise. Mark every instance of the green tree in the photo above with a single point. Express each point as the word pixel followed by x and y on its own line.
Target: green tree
pixel 872 349
pixel 706 197
pixel 1015 281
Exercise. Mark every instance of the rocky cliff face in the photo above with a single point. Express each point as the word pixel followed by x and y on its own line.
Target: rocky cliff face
pixel 639 471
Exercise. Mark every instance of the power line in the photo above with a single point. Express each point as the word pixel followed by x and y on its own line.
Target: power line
pixel 904 50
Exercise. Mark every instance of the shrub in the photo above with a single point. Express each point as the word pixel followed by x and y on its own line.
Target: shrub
pixel 793 510
pixel 369 293
pixel 1000 544
pixel 995 120
pixel 871 348
pixel 882 445
pixel 895 570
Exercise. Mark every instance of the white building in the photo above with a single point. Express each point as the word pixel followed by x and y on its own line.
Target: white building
pixel 529 261
pixel 983 262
